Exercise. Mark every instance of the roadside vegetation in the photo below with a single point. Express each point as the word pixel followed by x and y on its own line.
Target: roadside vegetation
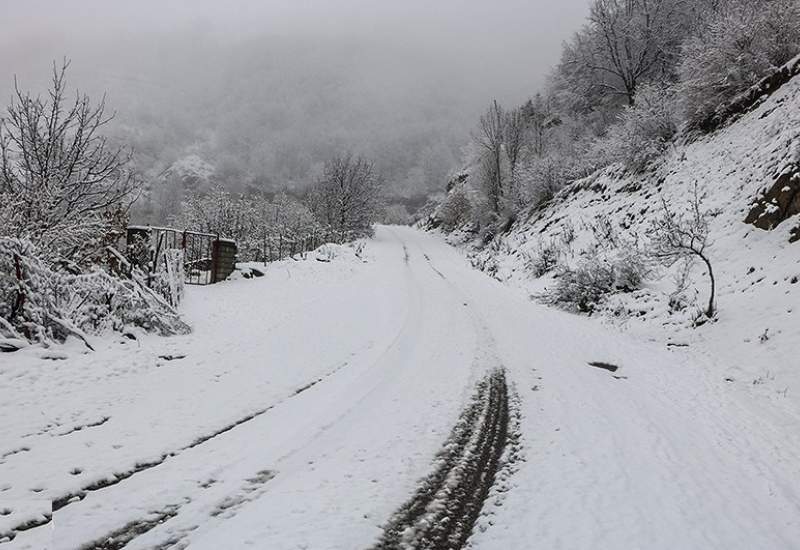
pixel 637 81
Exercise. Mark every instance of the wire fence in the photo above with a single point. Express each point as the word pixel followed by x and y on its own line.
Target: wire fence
pixel 280 246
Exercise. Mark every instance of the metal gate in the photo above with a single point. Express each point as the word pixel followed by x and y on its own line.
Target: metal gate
pixel 207 258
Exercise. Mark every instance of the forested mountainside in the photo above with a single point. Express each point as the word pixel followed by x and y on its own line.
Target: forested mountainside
pixel 599 247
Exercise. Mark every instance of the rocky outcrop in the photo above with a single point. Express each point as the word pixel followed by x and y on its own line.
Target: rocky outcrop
pixel 752 98
pixel 779 203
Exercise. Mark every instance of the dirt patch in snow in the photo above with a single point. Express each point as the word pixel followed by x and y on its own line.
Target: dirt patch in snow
pixel 443 511
pixel 602 365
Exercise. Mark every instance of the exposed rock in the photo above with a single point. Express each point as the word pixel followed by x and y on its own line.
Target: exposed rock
pixel 751 98
pixel 779 203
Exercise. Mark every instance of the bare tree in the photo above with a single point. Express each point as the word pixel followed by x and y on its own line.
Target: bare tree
pixel 347 198
pixel 514 144
pixel 684 237
pixel 538 119
pixel 69 183
pixel 627 42
pixel 490 137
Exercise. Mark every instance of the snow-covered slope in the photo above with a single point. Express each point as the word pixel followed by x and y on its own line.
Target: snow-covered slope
pixel 755 340
pixel 309 404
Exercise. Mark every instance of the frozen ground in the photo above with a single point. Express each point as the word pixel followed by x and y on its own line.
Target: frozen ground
pixel 311 408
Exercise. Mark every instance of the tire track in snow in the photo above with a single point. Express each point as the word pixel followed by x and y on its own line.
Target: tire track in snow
pixel 446 524
pixel 447 504
pixel 65 500
pixel 8 536
pixel 121 537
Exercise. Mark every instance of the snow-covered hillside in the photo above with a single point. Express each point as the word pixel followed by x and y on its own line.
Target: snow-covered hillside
pixel 756 335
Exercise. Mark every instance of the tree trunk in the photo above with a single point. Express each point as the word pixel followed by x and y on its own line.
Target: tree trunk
pixel 711 308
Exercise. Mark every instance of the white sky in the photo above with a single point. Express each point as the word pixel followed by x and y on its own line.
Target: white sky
pixel 507 46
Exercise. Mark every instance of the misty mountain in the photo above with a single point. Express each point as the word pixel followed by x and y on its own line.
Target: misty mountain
pixel 266 92
pixel 267 113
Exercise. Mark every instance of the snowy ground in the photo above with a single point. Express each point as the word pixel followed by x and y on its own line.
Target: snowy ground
pixel 308 404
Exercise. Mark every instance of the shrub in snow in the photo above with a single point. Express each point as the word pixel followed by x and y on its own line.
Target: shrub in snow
pixel 455 210
pixel 543 259
pixel 645 129
pixel 630 270
pixel 585 286
pixel 41 304
pixel 540 178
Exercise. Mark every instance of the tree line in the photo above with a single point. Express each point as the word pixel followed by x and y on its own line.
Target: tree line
pixel 636 76
pixel 340 206
pixel 639 76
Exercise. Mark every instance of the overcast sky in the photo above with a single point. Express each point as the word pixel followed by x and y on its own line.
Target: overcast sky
pixel 506 45
pixel 272 88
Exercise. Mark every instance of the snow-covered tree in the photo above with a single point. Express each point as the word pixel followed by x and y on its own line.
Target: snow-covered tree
pixel 684 237
pixel 539 117
pixel 397 214
pixel 515 139
pixel 540 178
pixel 69 186
pixel 740 42
pixel 347 198
pixel 456 208
pixel 645 129
pixel 490 137
pixel 218 212
pixel 623 44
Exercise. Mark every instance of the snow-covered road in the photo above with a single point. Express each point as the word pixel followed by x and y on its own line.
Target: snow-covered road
pixel 308 404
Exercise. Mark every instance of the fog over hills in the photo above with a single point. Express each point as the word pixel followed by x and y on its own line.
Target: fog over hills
pixel 266 92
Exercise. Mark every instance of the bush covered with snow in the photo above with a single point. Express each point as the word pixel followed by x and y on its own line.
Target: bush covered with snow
pixel 543 259
pixel 42 304
pixel 64 197
pixel 586 285
pixel 455 210
pixel 645 129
